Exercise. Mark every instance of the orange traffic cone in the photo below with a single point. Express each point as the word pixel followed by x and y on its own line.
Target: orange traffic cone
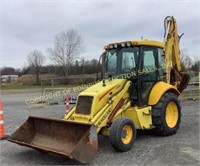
pixel 67 104
pixel 2 132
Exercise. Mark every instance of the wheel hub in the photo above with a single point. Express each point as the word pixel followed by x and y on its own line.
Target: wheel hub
pixel 127 134
pixel 171 116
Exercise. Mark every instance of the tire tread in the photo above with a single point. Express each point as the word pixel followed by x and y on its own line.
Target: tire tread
pixel 158 115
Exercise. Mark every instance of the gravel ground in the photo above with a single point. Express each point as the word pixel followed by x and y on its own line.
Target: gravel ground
pixel 180 149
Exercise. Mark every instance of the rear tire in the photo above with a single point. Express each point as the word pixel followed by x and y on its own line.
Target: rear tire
pixel 122 134
pixel 166 115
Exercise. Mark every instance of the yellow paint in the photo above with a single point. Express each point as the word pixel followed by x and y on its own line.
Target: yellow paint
pixel 139 42
pixel 100 113
pixel 101 121
pixel 171 48
pixel 82 118
pixel 127 135
pixel 171 116
pixel 103 102
pixel 101 94
pixel 68 115
pixel 141 117
pixel 158 90
pixel 105 131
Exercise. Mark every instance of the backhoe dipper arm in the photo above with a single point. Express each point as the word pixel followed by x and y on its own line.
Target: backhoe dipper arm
pixel 172 55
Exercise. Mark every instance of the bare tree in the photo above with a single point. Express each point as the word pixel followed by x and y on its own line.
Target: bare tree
pixel 186 61
pixel 67 47
pixel 196 65
pixel 35 60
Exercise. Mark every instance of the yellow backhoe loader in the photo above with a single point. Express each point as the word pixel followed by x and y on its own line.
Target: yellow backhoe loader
pixel 140 84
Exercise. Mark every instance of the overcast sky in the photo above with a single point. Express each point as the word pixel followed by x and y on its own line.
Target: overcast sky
pixel 28 25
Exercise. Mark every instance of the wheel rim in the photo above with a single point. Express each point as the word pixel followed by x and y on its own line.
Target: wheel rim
pixel 127 134
pixel 171 114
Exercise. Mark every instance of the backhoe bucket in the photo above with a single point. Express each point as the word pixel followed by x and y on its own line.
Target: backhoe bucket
pixel 73 140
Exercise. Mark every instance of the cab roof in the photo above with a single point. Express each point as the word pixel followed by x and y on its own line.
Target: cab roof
pixel 134 43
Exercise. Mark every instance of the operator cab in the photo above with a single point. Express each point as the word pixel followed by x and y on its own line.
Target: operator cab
pixel 142 62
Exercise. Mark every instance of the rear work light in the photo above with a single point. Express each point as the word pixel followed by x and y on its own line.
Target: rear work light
pixel 128 44
pixel 115 45
pixel 123 44
pixel 111 46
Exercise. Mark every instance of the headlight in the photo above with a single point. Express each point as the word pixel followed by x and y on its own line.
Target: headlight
pixel 115 45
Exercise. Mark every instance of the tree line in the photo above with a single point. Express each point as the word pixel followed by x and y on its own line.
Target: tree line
pixel 78 67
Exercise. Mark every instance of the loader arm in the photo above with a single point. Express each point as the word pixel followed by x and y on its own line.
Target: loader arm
pixel 114 104
pixel 172 55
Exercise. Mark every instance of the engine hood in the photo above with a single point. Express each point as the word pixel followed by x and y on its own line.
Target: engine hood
pixel 100 93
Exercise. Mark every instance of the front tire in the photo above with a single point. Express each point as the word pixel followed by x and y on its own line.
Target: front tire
pixel 166 115
pixel 122 134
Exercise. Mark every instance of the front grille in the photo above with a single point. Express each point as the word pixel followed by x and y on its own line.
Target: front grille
pixel 84 104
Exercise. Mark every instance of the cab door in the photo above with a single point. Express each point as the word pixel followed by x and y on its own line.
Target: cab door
pixel 151 70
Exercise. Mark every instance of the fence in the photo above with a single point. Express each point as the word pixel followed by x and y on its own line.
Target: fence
pixel 59 87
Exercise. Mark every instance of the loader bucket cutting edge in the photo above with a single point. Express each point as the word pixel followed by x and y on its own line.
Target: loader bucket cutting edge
pixel 73 140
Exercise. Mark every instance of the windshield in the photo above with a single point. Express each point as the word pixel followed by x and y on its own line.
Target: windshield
pixel 121 60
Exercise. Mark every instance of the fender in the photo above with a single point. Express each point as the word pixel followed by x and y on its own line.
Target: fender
pixel 158 90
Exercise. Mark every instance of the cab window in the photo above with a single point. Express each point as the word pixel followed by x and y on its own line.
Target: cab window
pixel 149 73
pixel 111 62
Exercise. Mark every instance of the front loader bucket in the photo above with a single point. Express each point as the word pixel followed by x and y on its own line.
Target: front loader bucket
pixel 73 140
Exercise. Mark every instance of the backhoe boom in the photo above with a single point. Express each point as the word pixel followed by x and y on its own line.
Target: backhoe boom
pixel 172 55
